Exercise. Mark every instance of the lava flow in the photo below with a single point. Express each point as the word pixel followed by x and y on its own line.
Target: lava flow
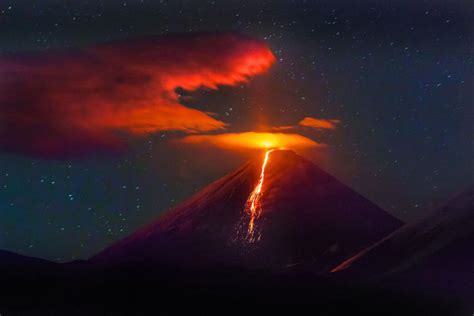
pixel 253 206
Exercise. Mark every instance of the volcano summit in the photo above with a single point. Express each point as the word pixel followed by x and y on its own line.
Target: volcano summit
pixel 304 217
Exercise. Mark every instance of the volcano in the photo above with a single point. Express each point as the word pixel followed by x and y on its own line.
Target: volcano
pixel 276 211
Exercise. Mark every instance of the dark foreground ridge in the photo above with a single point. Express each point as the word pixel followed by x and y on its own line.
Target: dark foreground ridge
pixel 82 289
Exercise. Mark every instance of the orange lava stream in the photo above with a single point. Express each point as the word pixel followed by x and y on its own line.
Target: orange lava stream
pixel 253 205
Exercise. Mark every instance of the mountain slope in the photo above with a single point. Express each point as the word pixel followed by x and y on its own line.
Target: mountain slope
pixel 12 260
pixel 307 217
pixel 434 253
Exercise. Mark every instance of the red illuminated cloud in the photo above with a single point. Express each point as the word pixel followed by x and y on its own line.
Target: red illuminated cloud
pixel 310 122
pixel 283 128
pixel 319 123
pixel 67 104
pixel 252 140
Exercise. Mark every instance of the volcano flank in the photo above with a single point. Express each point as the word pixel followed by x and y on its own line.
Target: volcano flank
pixel 307 217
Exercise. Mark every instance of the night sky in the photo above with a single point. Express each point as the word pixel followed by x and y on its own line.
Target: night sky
pixel 398 75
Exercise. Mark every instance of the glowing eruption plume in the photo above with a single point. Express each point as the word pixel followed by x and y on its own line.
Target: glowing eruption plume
pixel 252 140
pixel 253 206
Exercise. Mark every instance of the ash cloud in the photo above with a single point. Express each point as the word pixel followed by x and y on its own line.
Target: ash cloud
pixel 319 123
pixel 68 104
pixel 252 140
pixel 310 122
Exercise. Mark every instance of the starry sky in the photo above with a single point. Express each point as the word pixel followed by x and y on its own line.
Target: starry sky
pixel 398 75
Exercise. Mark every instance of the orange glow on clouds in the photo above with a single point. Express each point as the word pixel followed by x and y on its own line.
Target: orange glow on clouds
pixel 65 104
pixel 252 140
pixel 319 123
pixel 283 128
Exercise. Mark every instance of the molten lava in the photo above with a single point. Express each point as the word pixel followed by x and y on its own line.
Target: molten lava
pixel 253 206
